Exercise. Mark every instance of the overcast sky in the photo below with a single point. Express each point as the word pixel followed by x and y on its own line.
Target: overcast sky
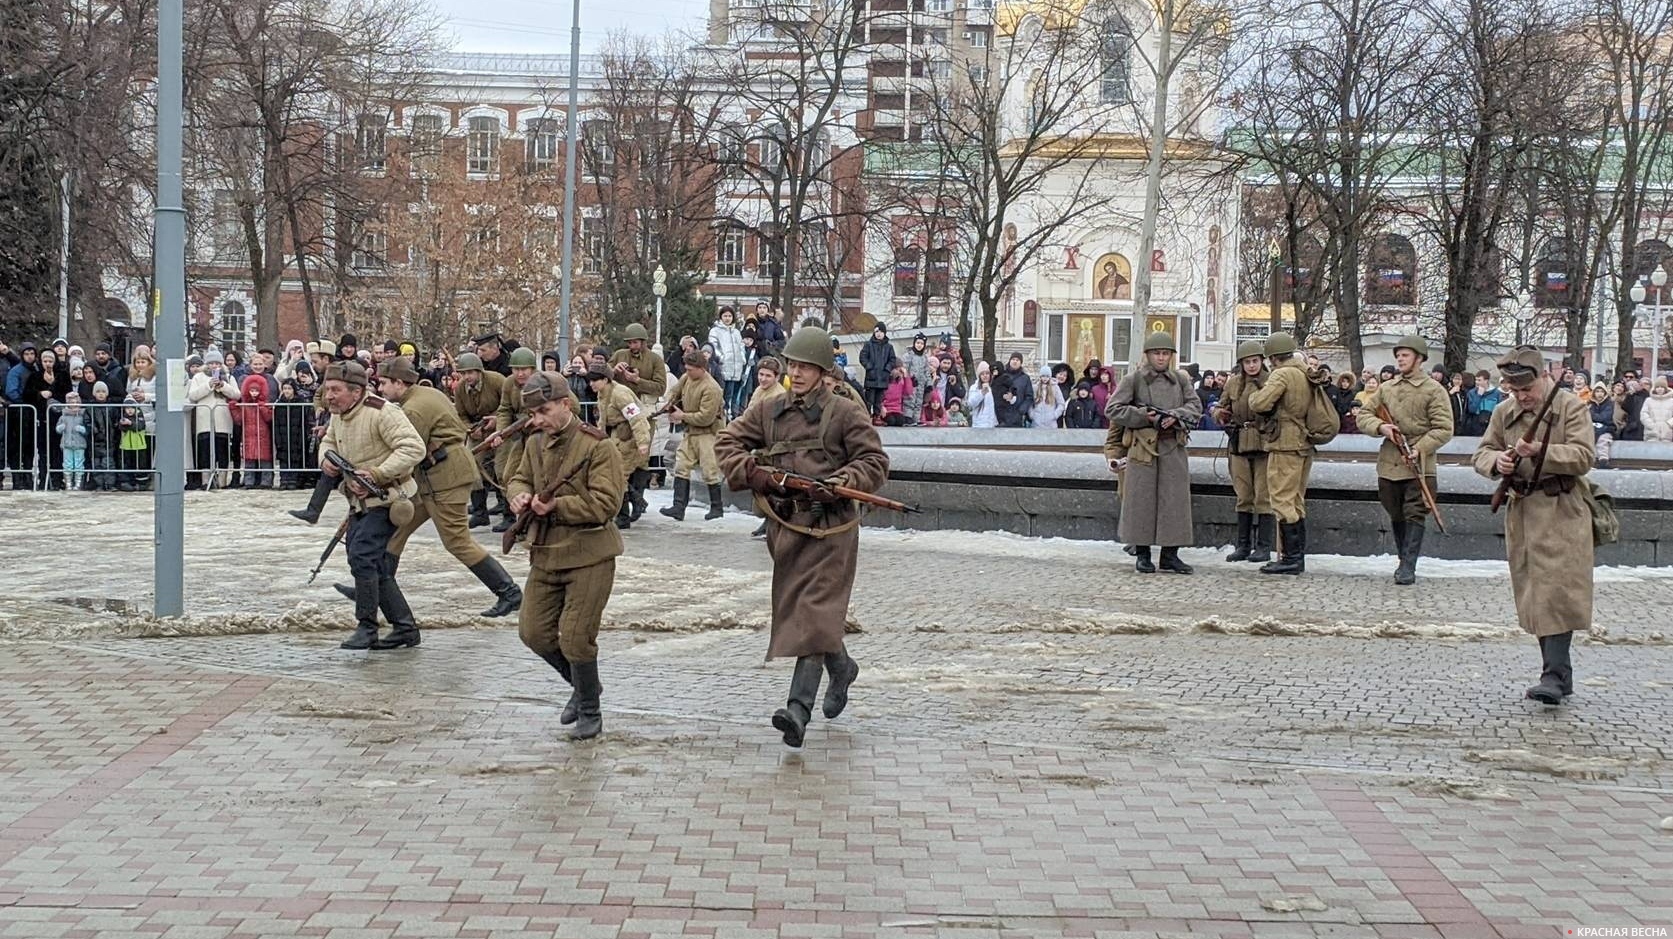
pixel 543 25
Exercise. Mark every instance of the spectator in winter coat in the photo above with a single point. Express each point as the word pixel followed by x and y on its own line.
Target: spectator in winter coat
pixel 142 387
pixel 896 397
pixel 254 413
pixel 728 343
pixel 1065 378
pixel 210 396
pixel 1479 403
pixel 1048 402
pixel 1103 385
pixel 1606 423
pixel 20 420
pixel 1657 415
pixel 1015 394
pixel 293 436
pixel 1082 412
pixel 837 355
pixel 980 403
pixel 110 371
pixel 103 437
pixel 948 383
pixel 1631 396
pixel 72 441
pixel 878 358
pixel 933 414
pixel 130 445
pixel 48 388
pixel 769 331
pixel 921 369
pixel 1208 392
pixel 956 416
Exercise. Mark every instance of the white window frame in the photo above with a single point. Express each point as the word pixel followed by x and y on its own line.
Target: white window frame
pixel 729 253
pixel 371 156
pixel 480 165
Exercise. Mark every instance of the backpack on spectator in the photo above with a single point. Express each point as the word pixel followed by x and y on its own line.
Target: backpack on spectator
pixel 1322 421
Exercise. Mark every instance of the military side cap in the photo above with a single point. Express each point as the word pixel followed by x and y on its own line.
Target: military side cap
pixel 349 373
pixel 523 358
pixel 399 368
pixel 544 387
pixel 1414 342
pixel 1159 342
pixel 1280 344
pixel 771 364
pixel 1250 349
pixel 1521 366
pixel 696 357
pixel 468 362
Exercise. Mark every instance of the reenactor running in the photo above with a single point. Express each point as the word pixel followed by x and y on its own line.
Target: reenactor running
pixel 508 449
pixel 476 397
pixel 1247 456
pixel 570 478
pixel 1283 400
pixel 1157 406
pixel 1422 415
pixel 1542 440
pixel 699 403
pixel 626 425
pixel 646 375
pixel 812 535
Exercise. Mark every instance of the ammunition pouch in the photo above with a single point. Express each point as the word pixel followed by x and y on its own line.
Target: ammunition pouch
pixel 1549 485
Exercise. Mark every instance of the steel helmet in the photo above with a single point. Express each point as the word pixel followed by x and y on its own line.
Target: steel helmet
pixel 1415 343
pixel 636 331
pixel 468 362
pixel 812 345
pixel 1250 349
pixel 1280 344
pixel 523 358
pixel 1158 341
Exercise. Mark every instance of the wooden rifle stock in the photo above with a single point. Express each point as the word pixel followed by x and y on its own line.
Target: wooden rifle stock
pixel 797 481
pixel 512 429
pixel 1527 437
pixel 525 518
pixel 1413 460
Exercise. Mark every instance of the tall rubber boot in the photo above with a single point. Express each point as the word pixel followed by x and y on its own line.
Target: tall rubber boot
pixel 716 510
pixel 843 670
pixel 624 514
pixel 479 508
pixel 791 720
pixel 682 498
pixel 1172 564
pixel 404 628
pixel 1292 553
pixel 366 601
pixel 1411 545
pixel 557 661
pixel 1397 531
pixel 391 562
pixel 316 502
pixel 1245 537
pixel 589 717
pixel 1261 552
pixel 493 576
pixel 1144 565
pixel 1556 677
pixel 636 483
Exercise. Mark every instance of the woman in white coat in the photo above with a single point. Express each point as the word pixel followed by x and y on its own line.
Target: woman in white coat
pixel 979 401
pixel 728 344
pixel 210 395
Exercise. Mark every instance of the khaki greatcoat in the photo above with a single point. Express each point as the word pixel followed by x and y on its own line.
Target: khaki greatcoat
pixel 1421 410
pixel 1547 538
pixel 625 423
pixel 445 477
pixel 1156 486
pixel 823 436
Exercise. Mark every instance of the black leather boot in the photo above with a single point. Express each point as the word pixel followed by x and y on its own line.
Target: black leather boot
pixel 1261 552
pixel 760 530
pixel 1144 565
pixel 366 602
pixel 1171 562
pixel 1556 678
pixel 636 484
pixel 624 515
pixel 479 508
pixel 716 510
pixel 493 576
pixel 1411 545
pixel 1245 537
pixel 791 720
pixel 391 562
pixel 561 664
pixel 589 717
pixel 682 498
pixel 843 670
pixel 505 523
pixel 403 631
pixel 1292 553
pixel 316 502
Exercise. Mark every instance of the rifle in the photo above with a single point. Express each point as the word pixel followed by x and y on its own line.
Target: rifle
pixel 1527 437
pixel 1411 459
pixel 483 426
pixel 337 539
pixel 348 471
pixel 527 517
pixel 785 479
pixel 512 429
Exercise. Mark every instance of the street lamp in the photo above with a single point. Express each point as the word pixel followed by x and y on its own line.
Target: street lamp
pixel 1522 310
pixel 659 286
pixel 1659 278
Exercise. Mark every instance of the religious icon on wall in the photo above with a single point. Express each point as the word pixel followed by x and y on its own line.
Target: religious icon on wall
pixel 1086 340
pixel 1211 303
pixel 1112 278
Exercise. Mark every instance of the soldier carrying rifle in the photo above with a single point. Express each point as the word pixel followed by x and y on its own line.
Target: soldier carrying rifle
pixel 1411 413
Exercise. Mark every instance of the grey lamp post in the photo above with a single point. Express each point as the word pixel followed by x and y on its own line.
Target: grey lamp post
pixel 659 286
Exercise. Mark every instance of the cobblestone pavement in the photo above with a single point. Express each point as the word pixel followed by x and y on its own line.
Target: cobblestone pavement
pixel 1014 764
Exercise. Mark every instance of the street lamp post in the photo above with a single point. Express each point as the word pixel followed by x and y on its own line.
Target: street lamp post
pixel 1659 278
pixel 659 286
pixel 1523 312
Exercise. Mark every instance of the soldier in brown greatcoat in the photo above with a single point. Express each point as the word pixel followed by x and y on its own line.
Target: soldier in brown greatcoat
pixel 508 449
pixel 476 398
pixel 814 537
pixel 1157 407
pixel 1548 524
pixel 626 424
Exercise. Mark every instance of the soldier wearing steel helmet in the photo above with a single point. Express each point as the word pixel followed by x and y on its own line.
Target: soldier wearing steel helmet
pixel 813 537
pixel 1247 457
pixel 1283 402
pixel 508 448
pixel 1157 408
pixel 1422 411
pixel 476 397
pixel 646 375
pixel 573 543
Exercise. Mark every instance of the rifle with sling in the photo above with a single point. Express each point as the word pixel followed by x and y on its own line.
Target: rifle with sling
pixel 1410 458
pixel 1527 437
pixel 513 429
pixel 525 518
pixel 336 539
pixel 785 479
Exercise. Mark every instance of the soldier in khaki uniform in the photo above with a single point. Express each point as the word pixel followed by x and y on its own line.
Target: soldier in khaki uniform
pixel 625 423
pixel 1283 401
pixel 573 544
pixel 476 398
pixel 646 375
pixel 446 476
pixel 379 441
pixel 1421 409
pixel 768 386
pixel 509 448
pixel 1548 523
pixel 1248 455
pixel 698 403
pixel 813 537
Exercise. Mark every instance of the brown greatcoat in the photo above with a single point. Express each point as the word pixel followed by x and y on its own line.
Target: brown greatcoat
pixel 580 531
pixel 1548 539
pixel 1421 410
pixel 624 422
pixel 823 436
pixel 1156 486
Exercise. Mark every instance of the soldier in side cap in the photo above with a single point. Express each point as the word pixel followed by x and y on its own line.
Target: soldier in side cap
pixel 1548 522
pixel 476 398
pixel 1157 406
pixel 626 425
pixel 508 448
pixel 699 403
pixel 645 374
pixel 1422 411
pixel 573 543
